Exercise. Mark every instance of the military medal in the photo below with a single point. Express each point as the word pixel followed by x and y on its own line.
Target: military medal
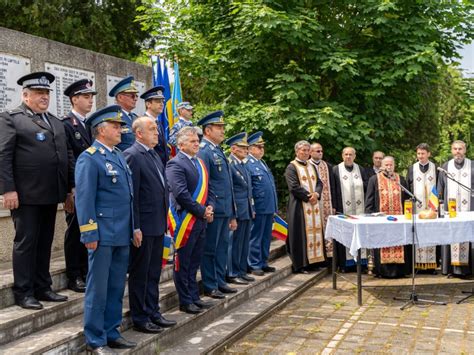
pixel 114 179
pixel 77 135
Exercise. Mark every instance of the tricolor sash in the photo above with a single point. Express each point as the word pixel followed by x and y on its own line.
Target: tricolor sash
pixel 181 224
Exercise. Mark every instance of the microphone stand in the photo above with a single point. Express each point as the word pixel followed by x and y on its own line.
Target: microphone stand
pixel 413 299
pixel 469 293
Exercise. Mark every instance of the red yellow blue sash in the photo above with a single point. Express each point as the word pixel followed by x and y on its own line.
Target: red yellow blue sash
pixel 180 225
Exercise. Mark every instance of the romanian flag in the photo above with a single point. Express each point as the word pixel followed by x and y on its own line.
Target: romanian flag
pixel 433 202
pixel 166 249
pixel 280 228
pixel 160 77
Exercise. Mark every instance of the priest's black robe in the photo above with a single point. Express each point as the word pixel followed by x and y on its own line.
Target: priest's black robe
pixel 338 205
pixel 446 267
pixel 296 241
pixel 372 204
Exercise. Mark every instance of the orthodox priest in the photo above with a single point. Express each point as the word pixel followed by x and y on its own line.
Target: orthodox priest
pixel 384 194
pixel 421 178
pixel 305 242
pixel 456 259
pixel 350 185
pixel 328 194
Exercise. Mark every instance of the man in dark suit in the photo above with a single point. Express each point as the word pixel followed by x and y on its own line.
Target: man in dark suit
pixel 81 94
pixel 150 207
pixel 36 173
pixel 154 103
pixel 189 189
pixel 377 157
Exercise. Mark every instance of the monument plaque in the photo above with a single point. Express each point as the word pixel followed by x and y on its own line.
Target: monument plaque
pixel 11 69
pixel 112 80
pixel 60 104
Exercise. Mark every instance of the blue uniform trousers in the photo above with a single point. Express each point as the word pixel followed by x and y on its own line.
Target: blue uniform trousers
pixel 214 260
pixel 189 258
pixel 239 249
pixel 260 239
pixel 144 277
pixel 104 293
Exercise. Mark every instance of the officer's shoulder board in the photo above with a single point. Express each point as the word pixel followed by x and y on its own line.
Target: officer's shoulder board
pixel 251 160
pixel 91 150
pixel 15 111
pixel 202 144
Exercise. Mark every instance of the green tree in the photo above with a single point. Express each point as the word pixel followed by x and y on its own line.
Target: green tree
pixel 106 26
pixel 340 72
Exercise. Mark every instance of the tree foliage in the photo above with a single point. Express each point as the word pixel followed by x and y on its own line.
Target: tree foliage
pixel 371 74
pixel 106 26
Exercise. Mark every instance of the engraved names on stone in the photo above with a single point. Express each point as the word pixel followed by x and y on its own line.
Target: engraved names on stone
pixel 11 69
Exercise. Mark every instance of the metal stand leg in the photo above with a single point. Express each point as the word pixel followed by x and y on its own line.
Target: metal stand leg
pixel 359 278
pixel 469 295
pixel 334 266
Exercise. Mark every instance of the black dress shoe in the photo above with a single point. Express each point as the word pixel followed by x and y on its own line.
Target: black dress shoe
pixel 247 278
pixel 215 294
pixel 77 285
pixel 258 272
pixel 29 302
pixel 51 296
pixel 237 281
pixel 163 322
pixel 148 327
pixel 204 304
pixel 227 289
pixel 190 308
pixel 268 269
pixel 121 343
pixel 99 350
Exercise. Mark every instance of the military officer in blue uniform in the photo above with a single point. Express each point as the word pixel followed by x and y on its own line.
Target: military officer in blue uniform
pixel 242 184
pixel 104 211
pixel 185 111
pixel 126 96
pixel 81 94
pixel 266 205
pixel 155 102
pixel 221 198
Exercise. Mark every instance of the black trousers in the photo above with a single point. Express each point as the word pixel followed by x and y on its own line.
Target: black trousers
pixel 34 232
pixel 143 279
pixel 74 251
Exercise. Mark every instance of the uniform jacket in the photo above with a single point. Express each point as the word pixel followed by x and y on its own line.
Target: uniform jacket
pixel 104 204
pixel 79 137
pixel 184 177
pixel 242 183
pixel 263 186
pixel 128 137
pixel 175 129
pixel 221 195
pixel 150 202
pixel 34 158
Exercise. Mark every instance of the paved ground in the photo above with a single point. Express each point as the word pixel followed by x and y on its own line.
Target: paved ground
pixel 327 321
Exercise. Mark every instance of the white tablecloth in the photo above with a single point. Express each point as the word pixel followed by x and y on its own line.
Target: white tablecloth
pixel 378 232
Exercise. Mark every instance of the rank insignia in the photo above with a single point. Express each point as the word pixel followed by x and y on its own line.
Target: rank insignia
pixel 40 136
pixel 77 135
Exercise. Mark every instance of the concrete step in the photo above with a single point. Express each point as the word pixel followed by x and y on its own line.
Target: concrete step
pixel 59 325
pixel 232 325
pixel 58 275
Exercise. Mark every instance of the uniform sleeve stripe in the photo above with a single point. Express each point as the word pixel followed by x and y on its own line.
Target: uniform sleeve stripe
pixel 88 227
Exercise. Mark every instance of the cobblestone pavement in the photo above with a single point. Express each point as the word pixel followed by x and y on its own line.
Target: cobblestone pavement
pixel 327 321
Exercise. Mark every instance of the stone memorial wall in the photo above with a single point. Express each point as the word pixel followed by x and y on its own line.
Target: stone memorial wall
pixel 20 54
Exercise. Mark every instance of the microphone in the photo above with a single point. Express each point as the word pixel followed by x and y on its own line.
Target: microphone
pixel 389 173
pixel 444 171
